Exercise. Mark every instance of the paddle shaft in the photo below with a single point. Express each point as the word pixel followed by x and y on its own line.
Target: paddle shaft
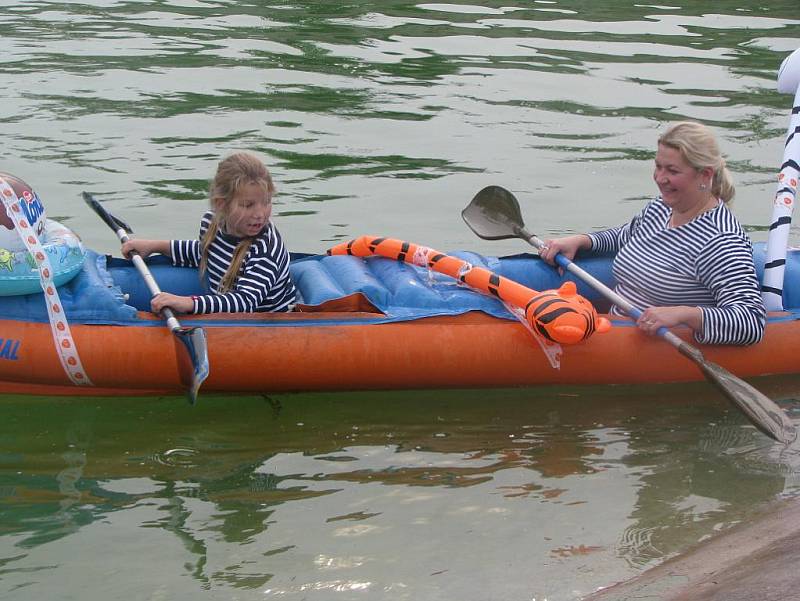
pixel 172 321
pixel 627 308
pixel 762 412
pixel 494 214
pixel 191 344
pixel 122 230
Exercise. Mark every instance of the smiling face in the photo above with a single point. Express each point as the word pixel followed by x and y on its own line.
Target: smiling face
pixel 250 211
pixel 679 182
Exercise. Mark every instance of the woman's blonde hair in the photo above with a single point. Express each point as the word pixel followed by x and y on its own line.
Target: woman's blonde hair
pixel 698 146
pixel 233 173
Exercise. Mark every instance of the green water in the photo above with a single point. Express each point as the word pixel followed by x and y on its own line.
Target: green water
pixel 409 495
pixel 381 118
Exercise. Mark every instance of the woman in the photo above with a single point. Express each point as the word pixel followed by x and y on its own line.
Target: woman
pixel 684 259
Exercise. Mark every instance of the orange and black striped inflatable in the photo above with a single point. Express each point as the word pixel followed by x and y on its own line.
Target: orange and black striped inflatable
pixel 558 315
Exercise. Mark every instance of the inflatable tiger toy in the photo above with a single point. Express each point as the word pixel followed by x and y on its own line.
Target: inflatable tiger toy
pixel 561 315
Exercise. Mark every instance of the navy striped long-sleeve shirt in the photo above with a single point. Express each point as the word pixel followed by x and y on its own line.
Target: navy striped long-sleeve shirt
pixel 263 282
pixel 707 263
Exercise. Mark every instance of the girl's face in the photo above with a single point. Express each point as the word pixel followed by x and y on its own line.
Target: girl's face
pixel 250 211
pixel 679 182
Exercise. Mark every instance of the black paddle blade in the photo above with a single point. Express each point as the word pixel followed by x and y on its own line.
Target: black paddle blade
pixel 494 214
pixel 762 411
pixel 192 355
pixel 113 222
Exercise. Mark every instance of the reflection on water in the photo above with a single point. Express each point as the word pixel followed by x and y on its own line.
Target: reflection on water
pixel 438 495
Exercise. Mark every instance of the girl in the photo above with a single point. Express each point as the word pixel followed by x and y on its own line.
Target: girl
pixel 239 248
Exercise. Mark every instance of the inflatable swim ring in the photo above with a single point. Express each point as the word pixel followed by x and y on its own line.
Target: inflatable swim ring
pixel 30 209
pixel 18 271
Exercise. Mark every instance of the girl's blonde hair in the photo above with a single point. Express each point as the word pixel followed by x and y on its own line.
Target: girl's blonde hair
pixel 699 148
pixel 233 173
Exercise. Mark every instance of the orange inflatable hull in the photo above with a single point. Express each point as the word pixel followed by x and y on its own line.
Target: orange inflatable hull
pixel 368 324
pixel 348 351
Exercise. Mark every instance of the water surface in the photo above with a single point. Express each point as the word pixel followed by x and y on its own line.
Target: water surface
pixel 509 494
pixel 381 118
pixel 385 117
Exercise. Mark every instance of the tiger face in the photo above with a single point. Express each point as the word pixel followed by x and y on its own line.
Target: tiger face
pixel 564 316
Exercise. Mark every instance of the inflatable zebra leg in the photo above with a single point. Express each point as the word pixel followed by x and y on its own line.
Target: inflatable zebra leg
pixel 778 240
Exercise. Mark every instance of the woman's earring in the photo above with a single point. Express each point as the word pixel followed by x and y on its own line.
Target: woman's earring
pixel 703 186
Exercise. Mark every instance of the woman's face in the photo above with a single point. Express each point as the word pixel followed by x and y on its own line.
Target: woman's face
pixel 679 182
pixel 251 209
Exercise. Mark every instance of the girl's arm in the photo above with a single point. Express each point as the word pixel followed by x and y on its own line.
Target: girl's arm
pixel 181 304
pixel 145 247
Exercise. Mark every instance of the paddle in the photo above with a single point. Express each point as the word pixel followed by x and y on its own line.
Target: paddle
pixel 190 343
pixel 494 214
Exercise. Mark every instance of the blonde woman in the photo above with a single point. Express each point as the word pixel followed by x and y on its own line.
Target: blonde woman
pixel 239 248
pixel 684 259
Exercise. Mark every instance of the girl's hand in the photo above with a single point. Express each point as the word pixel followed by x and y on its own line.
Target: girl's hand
pixel 145 247
pixel 656 317
pixel 181 304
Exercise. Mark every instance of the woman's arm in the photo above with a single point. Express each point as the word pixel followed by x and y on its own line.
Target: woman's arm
pixel 654 318
pixel 567 246
pixel 726 267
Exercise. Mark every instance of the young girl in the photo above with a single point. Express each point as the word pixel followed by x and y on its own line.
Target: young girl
pixel 239 248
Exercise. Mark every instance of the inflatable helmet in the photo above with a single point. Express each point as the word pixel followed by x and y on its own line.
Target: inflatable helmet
pixel 31 211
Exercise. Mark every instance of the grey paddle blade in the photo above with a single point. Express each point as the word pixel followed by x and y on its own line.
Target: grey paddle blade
pixel 494 214
pixel 762 411
pixel 192 355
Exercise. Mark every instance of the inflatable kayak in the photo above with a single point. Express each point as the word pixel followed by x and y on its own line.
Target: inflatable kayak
pixel 360 323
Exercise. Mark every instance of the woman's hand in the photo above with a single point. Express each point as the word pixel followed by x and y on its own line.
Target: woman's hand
pixel 145 247
pixel 667 317
pixel 181 304
pixel 567 246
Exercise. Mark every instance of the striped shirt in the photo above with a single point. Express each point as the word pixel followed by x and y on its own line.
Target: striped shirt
pixel 263 283
pixel 707 263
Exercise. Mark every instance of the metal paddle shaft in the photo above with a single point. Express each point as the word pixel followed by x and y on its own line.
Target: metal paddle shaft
pixel 191 345
pixel 494 214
